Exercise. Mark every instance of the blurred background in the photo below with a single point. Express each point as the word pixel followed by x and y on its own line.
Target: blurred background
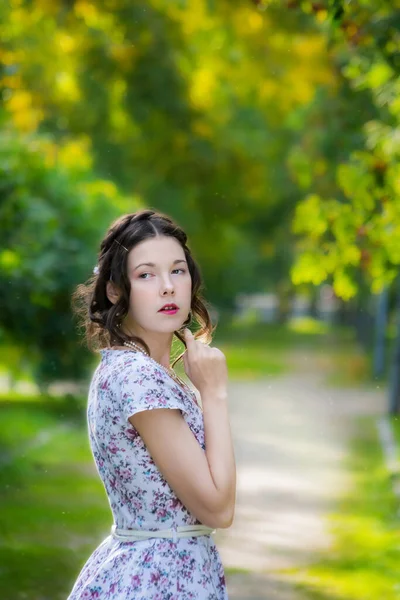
pixel 269 130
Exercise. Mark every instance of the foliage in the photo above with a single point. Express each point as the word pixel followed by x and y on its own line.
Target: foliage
pixel 350 230
pixel 224 118
pixel 181 104
pixel 51 215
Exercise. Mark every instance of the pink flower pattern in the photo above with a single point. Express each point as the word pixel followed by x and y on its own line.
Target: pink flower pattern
pixel 124 383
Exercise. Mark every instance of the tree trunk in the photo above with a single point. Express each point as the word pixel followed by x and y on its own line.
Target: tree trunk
pixel 380 331
pixel 394 388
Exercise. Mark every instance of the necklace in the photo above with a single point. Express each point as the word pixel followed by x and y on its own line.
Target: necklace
pixel 168 371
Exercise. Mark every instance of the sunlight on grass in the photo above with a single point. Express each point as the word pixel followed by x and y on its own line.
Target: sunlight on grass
pixel 364 561
pixel 258 349
pixel 255 349
pixel 53 504
pixel 308 325
pixel 251 363
pixel 55 510
pixel 396 430
pixel 297 332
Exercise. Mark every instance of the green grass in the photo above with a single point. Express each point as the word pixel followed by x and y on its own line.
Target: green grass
pixel 298 332
pixel 55 511
pixel 252 363
pixel 51 496
pixel 260 349
pixel 364 562
pixel 396 430
pixel 237 571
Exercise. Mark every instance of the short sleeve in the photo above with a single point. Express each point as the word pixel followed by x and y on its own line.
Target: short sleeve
pixel 143 386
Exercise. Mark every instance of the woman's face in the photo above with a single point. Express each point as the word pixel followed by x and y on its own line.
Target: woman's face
pixel 167 280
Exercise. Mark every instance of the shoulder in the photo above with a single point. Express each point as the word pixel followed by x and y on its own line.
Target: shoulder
pixel 139 369
pixel 143 386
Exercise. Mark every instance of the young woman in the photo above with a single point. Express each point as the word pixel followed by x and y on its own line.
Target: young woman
pixel 169 473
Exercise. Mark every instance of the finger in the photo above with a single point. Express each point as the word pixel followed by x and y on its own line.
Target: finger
pixel 186 364
pixel 189 337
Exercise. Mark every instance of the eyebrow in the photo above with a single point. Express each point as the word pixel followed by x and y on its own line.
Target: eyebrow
pixel 179 260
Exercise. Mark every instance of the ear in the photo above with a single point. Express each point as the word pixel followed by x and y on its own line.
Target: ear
pixel 112 292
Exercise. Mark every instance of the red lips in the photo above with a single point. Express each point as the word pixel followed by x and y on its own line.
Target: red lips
pixel 173 306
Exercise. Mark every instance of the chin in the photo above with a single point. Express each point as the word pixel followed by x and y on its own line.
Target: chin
pixel 168 328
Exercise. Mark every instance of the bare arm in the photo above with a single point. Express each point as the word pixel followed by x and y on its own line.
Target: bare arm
pixel 204 481
pixel 219 451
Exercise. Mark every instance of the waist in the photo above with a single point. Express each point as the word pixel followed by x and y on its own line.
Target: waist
pixel 183 531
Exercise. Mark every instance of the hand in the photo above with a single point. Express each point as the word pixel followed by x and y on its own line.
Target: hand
pixel 205 366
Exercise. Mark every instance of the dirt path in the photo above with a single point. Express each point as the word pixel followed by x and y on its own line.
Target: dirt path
pixel 291 434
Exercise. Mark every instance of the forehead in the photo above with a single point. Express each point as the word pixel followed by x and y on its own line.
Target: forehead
pixel 157 250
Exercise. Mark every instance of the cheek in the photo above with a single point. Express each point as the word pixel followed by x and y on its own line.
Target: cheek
pixel 184 287
pixel 140 295
pixel 189 287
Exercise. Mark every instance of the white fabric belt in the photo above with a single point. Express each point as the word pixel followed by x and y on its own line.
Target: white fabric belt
pixel 184 531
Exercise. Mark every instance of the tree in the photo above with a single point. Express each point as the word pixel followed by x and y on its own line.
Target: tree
pixel 179 103
pixel 51 217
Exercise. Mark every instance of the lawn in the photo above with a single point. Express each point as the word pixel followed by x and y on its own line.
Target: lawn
pixel 396 430
pixel 55 511
pixel 51 498
pixel 364 562
pixel 260 349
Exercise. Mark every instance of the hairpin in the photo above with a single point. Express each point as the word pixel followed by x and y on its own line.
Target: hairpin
pixel 96 269
pixel 122 246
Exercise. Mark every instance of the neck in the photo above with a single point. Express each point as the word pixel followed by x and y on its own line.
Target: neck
pixel 159 344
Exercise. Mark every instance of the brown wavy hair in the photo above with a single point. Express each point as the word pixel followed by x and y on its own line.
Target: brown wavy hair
pixel 98 316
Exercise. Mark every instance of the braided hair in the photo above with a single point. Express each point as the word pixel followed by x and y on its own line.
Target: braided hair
pixel 98 316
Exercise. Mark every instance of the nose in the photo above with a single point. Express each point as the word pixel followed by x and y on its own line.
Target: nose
pixel 168 287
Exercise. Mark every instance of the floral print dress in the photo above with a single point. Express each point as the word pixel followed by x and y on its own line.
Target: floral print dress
pixel 124 383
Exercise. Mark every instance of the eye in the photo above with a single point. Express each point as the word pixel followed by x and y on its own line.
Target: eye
pixel 142 275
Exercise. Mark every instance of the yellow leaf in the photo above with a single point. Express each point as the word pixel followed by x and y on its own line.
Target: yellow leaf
pixel 308 269
pixel 379 74
pixel 351 255
pixel 344 286
pixel 203 85
pixel 9 260
pixel 76 153
pixel 67 86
